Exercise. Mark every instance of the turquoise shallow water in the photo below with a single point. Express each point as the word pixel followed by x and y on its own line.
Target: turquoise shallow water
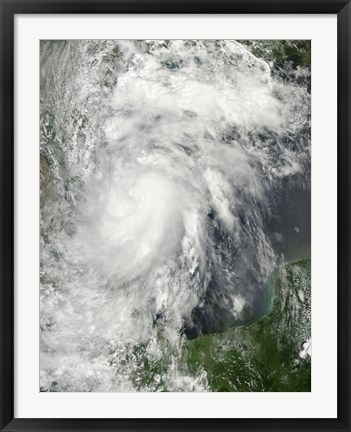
pixel 173 177
pixel 267 356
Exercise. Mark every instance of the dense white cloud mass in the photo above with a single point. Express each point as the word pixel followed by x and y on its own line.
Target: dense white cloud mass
pixel 163 166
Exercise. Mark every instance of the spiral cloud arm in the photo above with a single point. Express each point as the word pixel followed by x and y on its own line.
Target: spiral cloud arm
pixel 163 168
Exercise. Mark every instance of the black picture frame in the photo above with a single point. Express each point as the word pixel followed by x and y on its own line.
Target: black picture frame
pixel 8 10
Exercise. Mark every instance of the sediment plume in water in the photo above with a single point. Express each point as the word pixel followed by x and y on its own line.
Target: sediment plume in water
pixel 165 172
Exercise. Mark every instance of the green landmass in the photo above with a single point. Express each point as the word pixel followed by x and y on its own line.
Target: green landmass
pixel 279 52
pixel 261 358
pixel 265 356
